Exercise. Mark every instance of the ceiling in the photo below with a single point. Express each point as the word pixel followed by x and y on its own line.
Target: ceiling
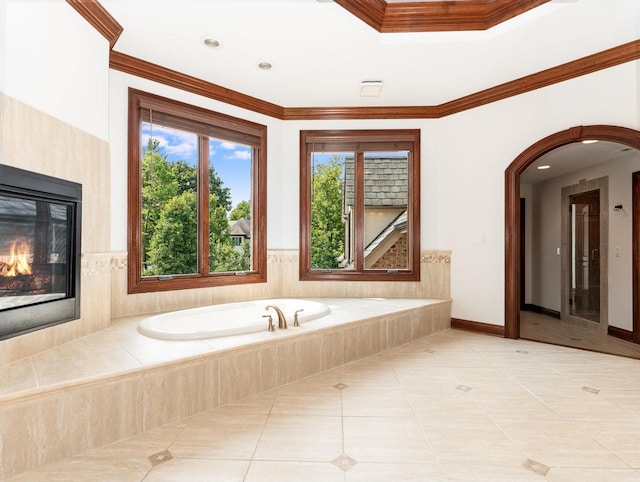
pixel 575 156
pixel 321 51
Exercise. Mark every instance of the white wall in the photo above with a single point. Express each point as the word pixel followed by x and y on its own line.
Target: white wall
pixel 464 157
pixel 55 61
pixel 546 235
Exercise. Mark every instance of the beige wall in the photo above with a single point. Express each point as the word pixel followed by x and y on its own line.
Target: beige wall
pixel 30 139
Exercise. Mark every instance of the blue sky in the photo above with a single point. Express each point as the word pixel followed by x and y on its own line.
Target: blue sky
pixel 231 161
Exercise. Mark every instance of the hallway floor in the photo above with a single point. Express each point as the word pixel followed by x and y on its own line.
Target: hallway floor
pixel 455 406
pixel 547 329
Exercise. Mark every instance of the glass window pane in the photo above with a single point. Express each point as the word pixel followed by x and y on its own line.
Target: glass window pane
pixel 230 206
pixel 385 210
pixel 169 201
pixel 331 214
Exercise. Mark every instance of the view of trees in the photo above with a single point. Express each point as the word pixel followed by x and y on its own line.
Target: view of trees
pixel 327 228
pixel 170 215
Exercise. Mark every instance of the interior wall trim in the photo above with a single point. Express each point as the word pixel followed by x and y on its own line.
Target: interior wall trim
pixel 97 16
pixel 436 16
pixel 477 327
pixel 621 333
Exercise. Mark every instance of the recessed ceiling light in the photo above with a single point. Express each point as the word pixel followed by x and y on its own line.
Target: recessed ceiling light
pixel 265 65
pixel 370 88
pixel 590 141
pixel 210 42
pixel 544 167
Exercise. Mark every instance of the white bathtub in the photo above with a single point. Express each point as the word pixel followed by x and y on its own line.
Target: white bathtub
pixel 227 319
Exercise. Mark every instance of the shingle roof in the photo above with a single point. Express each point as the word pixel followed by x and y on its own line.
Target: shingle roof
pixel 386 181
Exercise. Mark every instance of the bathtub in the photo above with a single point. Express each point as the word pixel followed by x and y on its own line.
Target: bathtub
pixel 227 319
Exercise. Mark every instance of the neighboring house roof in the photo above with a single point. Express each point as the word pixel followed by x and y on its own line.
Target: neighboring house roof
pixel 386 181
pixel 240 227
pixel 393 230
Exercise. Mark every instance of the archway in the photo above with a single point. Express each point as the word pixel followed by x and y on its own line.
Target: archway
pixel 620 135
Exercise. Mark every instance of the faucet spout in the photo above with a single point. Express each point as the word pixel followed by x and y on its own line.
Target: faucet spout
pixel 282 321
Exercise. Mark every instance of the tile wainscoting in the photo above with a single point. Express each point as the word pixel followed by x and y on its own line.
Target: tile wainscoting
pixel 282 281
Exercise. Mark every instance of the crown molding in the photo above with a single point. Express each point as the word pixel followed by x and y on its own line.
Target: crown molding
pixel 95 14
pixel 99 18
pixel 147 70
pixel 436 16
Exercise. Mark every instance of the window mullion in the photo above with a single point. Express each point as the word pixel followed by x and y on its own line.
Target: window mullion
pixel 203 205
pixel 359 204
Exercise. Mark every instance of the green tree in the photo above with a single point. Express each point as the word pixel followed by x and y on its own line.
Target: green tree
pixel 327 229
pixel 158 188
pixel 172 248
pixel 242 210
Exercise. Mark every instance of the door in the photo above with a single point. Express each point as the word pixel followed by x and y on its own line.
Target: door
pixel 585 257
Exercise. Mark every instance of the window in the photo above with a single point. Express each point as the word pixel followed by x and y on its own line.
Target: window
pixel 360 205
pixel 193 176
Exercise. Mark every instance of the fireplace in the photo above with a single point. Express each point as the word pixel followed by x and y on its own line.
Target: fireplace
pixel 40 227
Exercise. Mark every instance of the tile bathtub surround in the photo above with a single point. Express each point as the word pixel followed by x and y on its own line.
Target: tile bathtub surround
pixel 117 383
pixel 452 406
pixel 283 281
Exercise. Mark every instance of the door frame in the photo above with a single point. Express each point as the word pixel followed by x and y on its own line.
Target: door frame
pixel 621 135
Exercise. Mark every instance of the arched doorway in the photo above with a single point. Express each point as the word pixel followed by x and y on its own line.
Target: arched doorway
pixel 620 135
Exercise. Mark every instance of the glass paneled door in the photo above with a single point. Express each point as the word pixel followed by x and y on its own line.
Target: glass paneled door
pixel 585 255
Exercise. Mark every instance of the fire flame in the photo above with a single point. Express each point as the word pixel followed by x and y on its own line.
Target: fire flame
pixel 18 261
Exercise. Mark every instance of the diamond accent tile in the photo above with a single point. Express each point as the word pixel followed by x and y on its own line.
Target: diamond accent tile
pixel 595 391
pixel 464 388
pixel 340 386
pixel 160 457
pixel 344 462
pixel 536 467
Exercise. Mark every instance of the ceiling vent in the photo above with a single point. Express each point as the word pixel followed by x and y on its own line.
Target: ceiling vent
pixel 370 88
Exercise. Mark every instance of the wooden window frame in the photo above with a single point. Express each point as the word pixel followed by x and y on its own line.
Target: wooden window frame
pixel 204 122
pixel 361 140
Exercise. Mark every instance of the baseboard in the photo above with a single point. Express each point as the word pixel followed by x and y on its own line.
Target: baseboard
pixel 621 333
pixel 478 327
pixel 542 310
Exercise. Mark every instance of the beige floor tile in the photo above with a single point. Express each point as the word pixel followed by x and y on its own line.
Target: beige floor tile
pixel 592 475
pixel 269 471
pixel 329 404
pixel 295 438
pixel 380 439
pixel 454 406
pixel 375 472
pixel 87 468
pixel 464 473
pixel 560 444
pixel 221 438
pixel 379 402
pixel 197 470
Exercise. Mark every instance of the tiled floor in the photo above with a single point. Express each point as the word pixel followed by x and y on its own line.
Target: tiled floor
pixel 455 406
pixel 538 327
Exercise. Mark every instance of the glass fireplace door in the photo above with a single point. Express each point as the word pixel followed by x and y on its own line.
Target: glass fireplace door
pixel 40 251
pixel 35 241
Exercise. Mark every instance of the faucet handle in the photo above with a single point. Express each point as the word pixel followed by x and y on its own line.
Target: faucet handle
pixel 271 327
pixel 295 318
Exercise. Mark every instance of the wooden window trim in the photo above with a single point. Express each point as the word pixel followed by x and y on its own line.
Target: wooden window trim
pixel 247 132
pixel 339 139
